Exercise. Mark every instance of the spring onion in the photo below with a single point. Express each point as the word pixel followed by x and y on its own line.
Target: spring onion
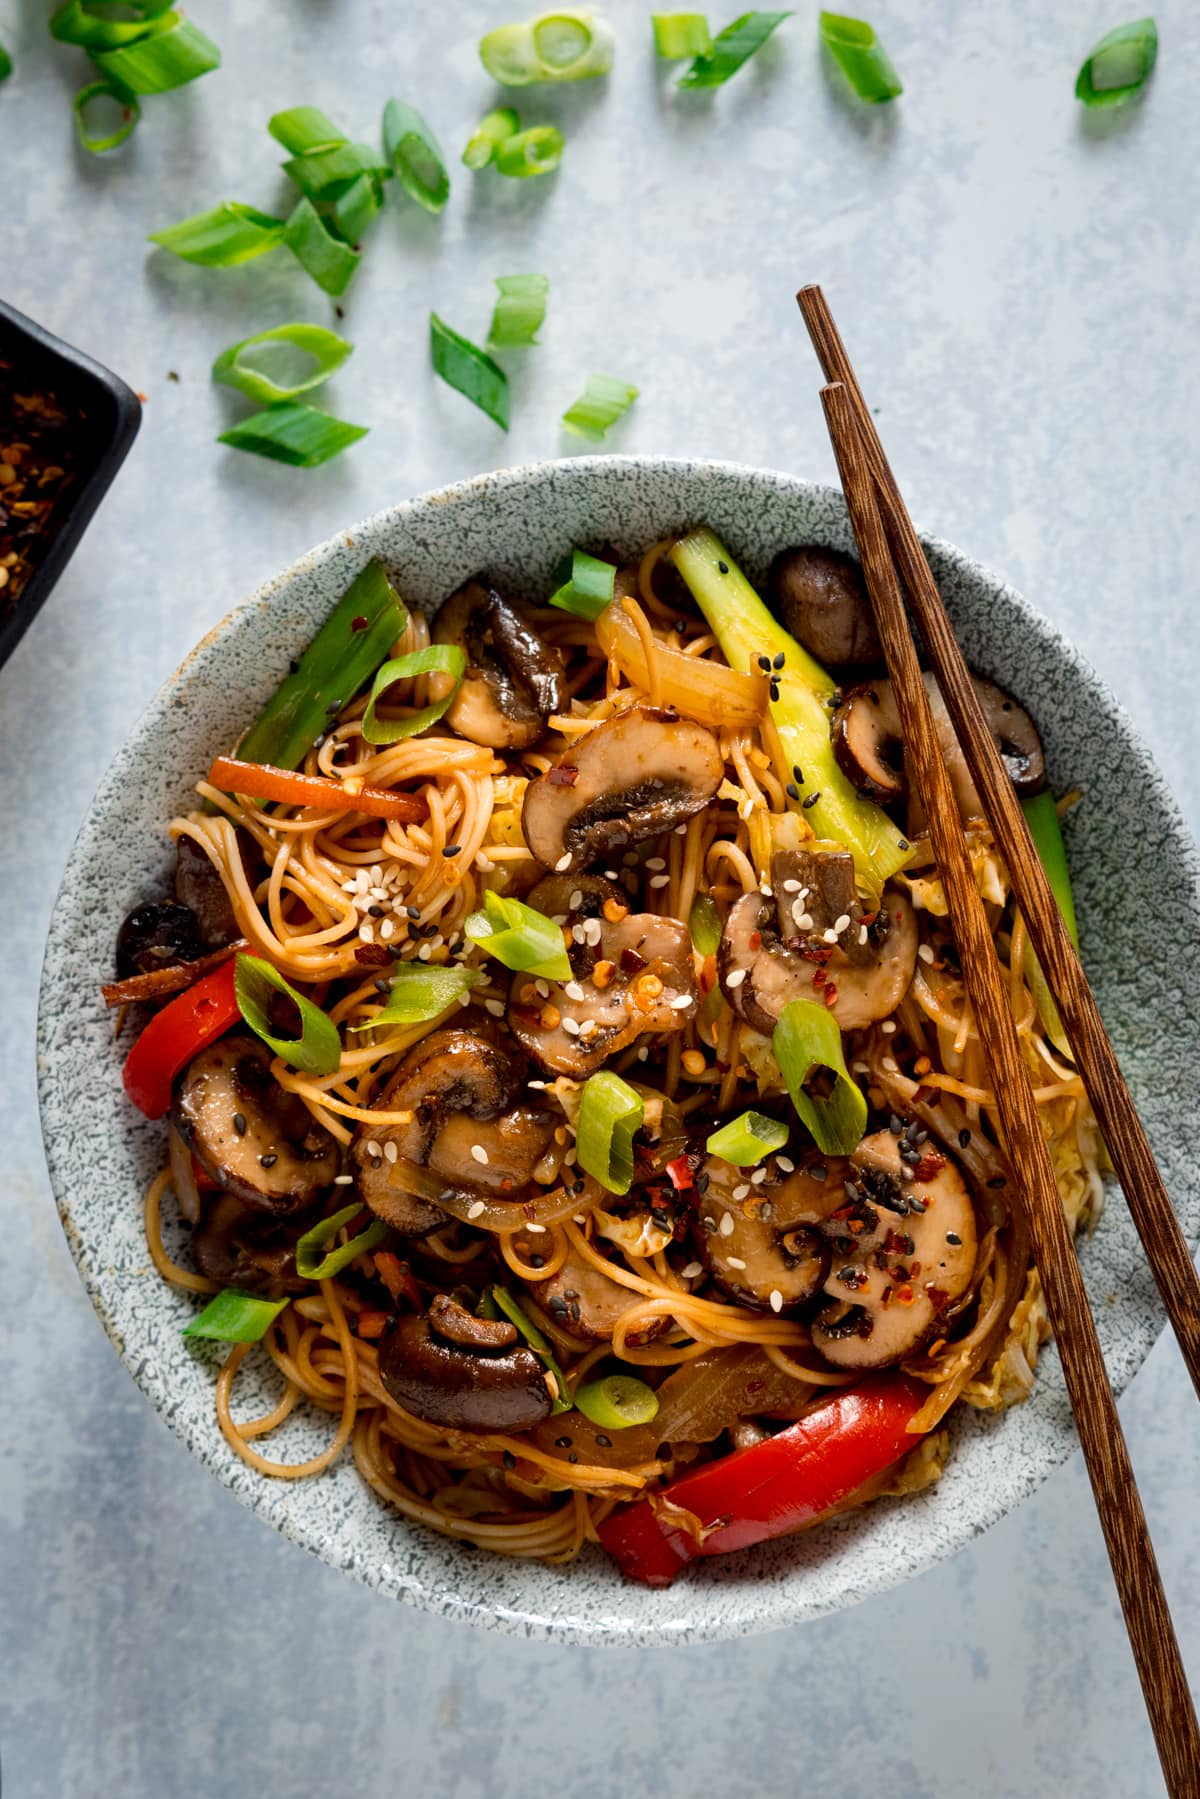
pixel 322 174
pixel 679 34
pixel 537 151
pixel 415 156
pixel 732 49
pixel 519 311
pixel 318 1048
pixel 343 655
pixel 747 1140
pixel 105 94
pixel 1041 815
pixel 223 236
pixel 302 436
pixel 304 130
pixel 746 631
pixel 247 365
pixel 704 922
pixel 589 587
pixel 236 1317
pixel 311 1265
pixel 502 1302
pixel 602 402
pixel 861 57
pixel 520 937
pixel 6 69
pixel 419 993
pixel 356 207
pixel 1121 63
pixel 489 134
pixel 78 22
pixel 610 1113
pixel 170 53
pixel 446 659
pixel 617 1402
pixel 469 370
pixel 807 1037
pixel 571 45
pixel 331 263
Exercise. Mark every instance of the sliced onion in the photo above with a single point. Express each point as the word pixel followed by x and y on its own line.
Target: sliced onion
pixel 700 689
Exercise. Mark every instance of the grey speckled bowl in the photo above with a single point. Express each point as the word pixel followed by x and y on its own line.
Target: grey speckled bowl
pixel 101 1154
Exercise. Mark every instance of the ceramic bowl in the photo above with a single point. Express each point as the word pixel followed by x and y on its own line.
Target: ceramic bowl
pixel 1136 883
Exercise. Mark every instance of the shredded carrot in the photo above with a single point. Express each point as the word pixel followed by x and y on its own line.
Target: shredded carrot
pixel 371 1324
pixel 258 780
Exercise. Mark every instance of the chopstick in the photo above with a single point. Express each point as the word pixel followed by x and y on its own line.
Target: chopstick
pixel 1122 1130
pixel 1139 1585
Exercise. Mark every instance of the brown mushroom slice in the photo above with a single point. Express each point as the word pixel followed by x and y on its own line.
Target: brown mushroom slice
pixel 762 1247
pixel 822 599
pixel 427 1368
pixel 640 773
pixel 868 744
pixel 584 1302
pixel 199 887
pixel 238 1246
pixel 514 679
pixel 257 1141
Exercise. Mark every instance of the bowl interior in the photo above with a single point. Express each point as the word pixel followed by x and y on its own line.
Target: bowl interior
pixel 1135 879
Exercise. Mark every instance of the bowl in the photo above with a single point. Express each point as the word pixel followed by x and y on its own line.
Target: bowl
pixel 1135 876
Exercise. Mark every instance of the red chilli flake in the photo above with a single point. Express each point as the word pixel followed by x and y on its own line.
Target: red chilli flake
pixel 930 1165
pixel 631 962
pixel 563 775
pixel 819 979
pixel 360 623
pixel 831 994
pixel 939 1298
pixel 756 940
pixel 680 1173
pixel 904 1295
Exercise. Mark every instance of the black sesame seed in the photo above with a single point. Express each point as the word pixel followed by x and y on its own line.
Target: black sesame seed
pixel 293 667
pixel 562 1442
pixel 895 1125
pixel 268 1161
pixel 793 792
pixel 702 1181
pixel 964 1137
pixel 797 771
pixel 446 1194
pixel 537 1261
pixel 413 911
pixel 780 659
pixel 817 1173
pixel 903 844
pixel 572 1457
pixel 774 689
pixel 509 1459
pixel 723 566
pixel 764 662
pixel 334 706
pixel 239 1123
pixel 954 1238
pixel 375 911
pixel 382 986
pixel 603 1442
pixel 681 625
pixel 319 739
pixel 451 849
pixel 998 1180
pixel 915 1204
pixel 812 799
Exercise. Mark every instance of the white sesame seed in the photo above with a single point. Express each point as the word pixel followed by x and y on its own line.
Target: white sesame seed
pixel 829 936
pixel 588 1028
pixel 575 899
pixel 348 887
pixel 742 1191
pixel 863 933
pixel 610 874
pixel 798 912
pixel 657 882
pixel 571 1027
pixel 765 888
pixel 425 951
pixel 573 990
pixel 379 893
pixel 560 918
pixel 785 1165
pixel 726 1225
pixel 860 1068
pixel 776 1300
pixel 536 1230
pixel 536 1086
pixel 474 1210
pixel 365 934
pixel 390 1152
pixel 681 830
pixel 691 1271
pixel 495 1007
pixel 681 1002
pixel 483 863
pixel 543 989
pixel 804 922
pixel 757 1178
pixel 791 886
pixel 842 924
pixel 890 1065
pixel 734 1262
pixel 735 977
pixel 591 932
pixel 888 1026
pixel 643 1054
pixel 387 929
pixel 925 953
pixel 343 1180
pixel 654 863
pixel 563 863
pixel 480 1153
pixel 577 933
pixel 464 999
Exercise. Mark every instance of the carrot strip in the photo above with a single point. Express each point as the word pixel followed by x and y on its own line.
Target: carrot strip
pixel 258 780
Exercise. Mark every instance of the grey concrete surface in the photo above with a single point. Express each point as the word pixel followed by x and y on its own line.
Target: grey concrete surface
pixel 1018 282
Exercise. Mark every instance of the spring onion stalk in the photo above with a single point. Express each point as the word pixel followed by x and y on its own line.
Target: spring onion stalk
pixel 311 1265
pixel 610 1113
pixel 732 49
pixel 236 1317
pixel 1121 63
pixel 169 54
pixel 519 311
pixel 357 207
pixel 602 402
pixel 78 22
pixel 489 134
pixel 617 1402
pixel 419 992
pixel 805 1038
pixel 247 365
pixel 1041 815
pixel 747 1140
pixel 105 92
pixel 469 370
pixel 588 588
pixel 519 937
pixel 537 151
pixel 502 1303
pixel 304 130
pixel 679 34
pixel 331 263
pixel 343 655
pixel 571 45
pixel 223 236
pixel 861 57
pixel 704 922
pixel 318 1048
pixel 746 631
pixel 415 156
pixel 322 174
pixel 302 436
pixel 446 659
pixel 6 69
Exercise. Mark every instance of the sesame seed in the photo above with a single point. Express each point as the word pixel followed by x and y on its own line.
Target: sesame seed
pixel 643 1054
pixel 575 899
pixel 812 800
pixel 480 1153
pixel 610 874
pixel 734 1262
pixel 571 1027
pixel 964 1137
pixel 658 881
pixel 925 953
pixel 592 932
pixel 776 1300
pixel 239 1123
pixel 764 662
pixel 726 1225
pixel 785 1165
pixel 563 863
pixel 654 863
pixel 863 933
pixel 451 849
pixel 343 1180
pixel 791 886
pixel 387 929
pixel 722 566
pixel 681 1002
pixel 830 936
pixel 735 978
pixel 758 1177
pixel 588 1028
pixel 778 660
pixel 495 1007
pixel 577 933
pixel 536 1230
pixel 573 990
pixel 842 924
pixel 890 1065
pixel 476 1208
pixel 390 1152
pixel 888 1026
pixel 740 1192
pixel 543 989
pixel 425 951
pixel 953 1238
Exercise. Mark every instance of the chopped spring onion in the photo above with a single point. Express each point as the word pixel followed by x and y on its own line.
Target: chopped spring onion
pixel 302 436
pixel 1041 815
pixel 602 402
pixel 519 311
pixel 247 366
pixel 589 587
pixel 610 1113
pixel 807 1037
pixel 415 156
pixel 322 174
pixel 617 1402
pixel 78 22
pixel 356 208
pixel 489 134
pixel 107 95
pixel 681 34
pixel 571 45
pixel 311 1265
pixel 444 659
pixel 469 370
pixel 419 993
pixel 861 57
pixel 344 654
pixel 226 234
pixel 1119 65
pixel 236 1317
pixel 6 69
pixel 537 151
pixel 169 54
pixel 704 922
pixel 731 49
pixel 747 1140
pixel 304 130
pixel 503 1302
pixel 317 1050
pixel 519 937
pixel 331 263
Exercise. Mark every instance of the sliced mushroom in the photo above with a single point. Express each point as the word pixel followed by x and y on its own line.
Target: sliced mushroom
pixel 631 971
pixel 237 1246
pixel 514 679
pixel 431 1369
pixel 156 937
pixel 762 1248
pixel 821 598
pixel 639 773
pixel 200 888
pixel 868 744
pixel 258 1142
pixel 585 1303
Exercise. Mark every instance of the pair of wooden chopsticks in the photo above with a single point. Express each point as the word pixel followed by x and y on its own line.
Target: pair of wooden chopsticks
pixel 887 540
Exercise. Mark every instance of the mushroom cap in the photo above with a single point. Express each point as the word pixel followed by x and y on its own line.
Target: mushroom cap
pixel 155 937
pixel 437 1378
pixel 514 679
pixel 822 599
pixel 764 1243
pixel 585 1303
pixel 199 887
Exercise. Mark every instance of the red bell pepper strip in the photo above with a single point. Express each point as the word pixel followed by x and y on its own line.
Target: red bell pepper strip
pixel 176 1034
pixel 768 1490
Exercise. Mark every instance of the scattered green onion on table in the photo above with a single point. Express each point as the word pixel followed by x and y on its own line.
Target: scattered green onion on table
pixel 732 49
pixel 678 34
pixel 469 370
pixel 227 234
pixel 519 311
pixel 573 44
pixel 603 401
pixel 537 151
pixel 170 53
pixel 1119 65
pixel 331 262
pixel 302 436
pixel 415 156
pixel 248 365
pixel 492 130
pixel 861 57
pixel 98 139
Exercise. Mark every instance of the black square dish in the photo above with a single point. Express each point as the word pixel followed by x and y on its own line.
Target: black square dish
pixel 68 423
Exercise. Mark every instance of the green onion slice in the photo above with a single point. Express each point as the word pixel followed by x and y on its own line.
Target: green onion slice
pixel 303 130
pixel 469 370
pixel 747 1140
pixel 357 207
pixel 1119 65
pixel 610 1112
pixel 331 263
pixel 1041 815
pixel 617 1402
pixel 588 590
pixel 537 151
pixel 805 1038
pixel 731 49
pixel 302 436
pixel 435 659
pixel 519 937
pixel 226 234
pixel 601 404
pixel 419 993
pixel 503 1302
pixel 489 134
pixel 519 311
pixel 6 69
pixel 78 22
pixel 317 1050
pixel 681 34
pixel 861 57
pixel 704 922
pixel 236 1317
pixel 415 156
pixel 109 94
pixel 571 45
pixel 322 174
pixel 242 365
pixel 311 1265
pixel 169 54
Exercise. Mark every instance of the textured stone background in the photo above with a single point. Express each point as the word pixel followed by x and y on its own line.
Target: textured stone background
pixel 1017 281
